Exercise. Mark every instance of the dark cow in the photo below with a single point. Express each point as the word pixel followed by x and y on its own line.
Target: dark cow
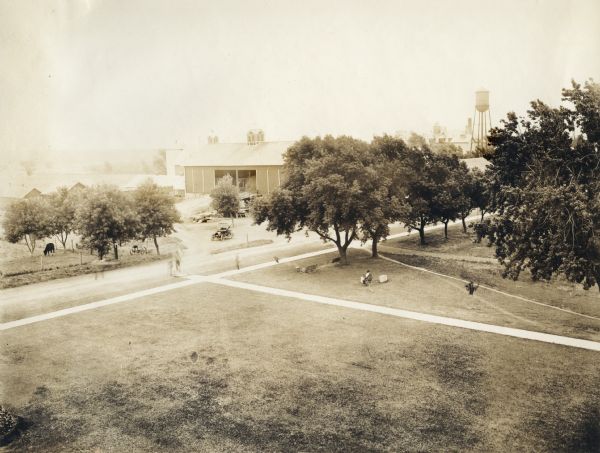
pixel 49 249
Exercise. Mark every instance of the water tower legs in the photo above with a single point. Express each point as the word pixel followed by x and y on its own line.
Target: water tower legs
pixel 483 124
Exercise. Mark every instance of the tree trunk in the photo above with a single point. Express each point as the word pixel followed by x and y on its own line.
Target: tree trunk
pixel 464 225
pixel 116 250
pixel 422 235
pixel 343 255
pixel 446 229
pixel 374 242
pixel 482 214
pixel 156 245
pixel 30 243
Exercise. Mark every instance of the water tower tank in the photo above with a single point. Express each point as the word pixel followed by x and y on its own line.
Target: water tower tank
pixel 482 100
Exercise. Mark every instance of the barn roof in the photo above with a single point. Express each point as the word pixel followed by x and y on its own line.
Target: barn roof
pixel 237 154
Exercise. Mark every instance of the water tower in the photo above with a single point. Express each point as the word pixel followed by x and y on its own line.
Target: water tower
pixel 482 120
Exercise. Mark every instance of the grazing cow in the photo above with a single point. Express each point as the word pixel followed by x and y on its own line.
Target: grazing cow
pixel 49 249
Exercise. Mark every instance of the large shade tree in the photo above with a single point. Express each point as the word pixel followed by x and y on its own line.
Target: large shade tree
pixel 546 174
pixel 330 186
pixel 449 184
pixel 156 212
pixel 27 220
pixel 105 218
pixel 63 206
pixel 425 184
pixel 388 199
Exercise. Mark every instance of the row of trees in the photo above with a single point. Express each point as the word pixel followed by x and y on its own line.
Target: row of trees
pixel 103 216
pixel 345 189
pixel 543 187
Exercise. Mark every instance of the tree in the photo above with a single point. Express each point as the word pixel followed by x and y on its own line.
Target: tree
pixel 63 206
pixel 417 141
pixel 424 183
pixel 106 218
pixel 159 163
pixel 448 183
pixel 29 166
pixel 466 198
pixel 387 203
pixel 546 171
pixel 156 212
pixel 329 186
pixel 226 197
pixel 27 220
pixel 481 192
pixel 448 149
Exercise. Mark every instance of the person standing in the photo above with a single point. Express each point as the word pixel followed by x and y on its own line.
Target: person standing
pixel 471 288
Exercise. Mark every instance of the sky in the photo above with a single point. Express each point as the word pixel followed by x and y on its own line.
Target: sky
pixel 97 75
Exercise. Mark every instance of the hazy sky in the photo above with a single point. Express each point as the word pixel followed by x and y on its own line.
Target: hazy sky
pixel 104 74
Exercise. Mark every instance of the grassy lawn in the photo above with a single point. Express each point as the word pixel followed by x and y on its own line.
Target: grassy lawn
pixel 443 259
pixel 210 368
pixel 418 291
pixel 458 243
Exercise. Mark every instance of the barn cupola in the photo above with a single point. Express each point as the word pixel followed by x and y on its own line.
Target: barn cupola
pixel 255 136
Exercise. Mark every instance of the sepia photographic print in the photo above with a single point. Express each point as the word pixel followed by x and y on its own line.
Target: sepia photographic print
pixel 300 226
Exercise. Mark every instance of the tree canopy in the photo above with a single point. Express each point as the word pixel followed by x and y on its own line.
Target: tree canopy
pixel 545 177
pixel 389 200
pixel 156 212
pixel 226 197
pixel 63 206
pixel 107 217
pixel 425 179
pixel 330 188
pixel 27 220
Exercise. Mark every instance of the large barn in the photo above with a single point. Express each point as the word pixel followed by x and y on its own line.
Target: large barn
pixel 256 165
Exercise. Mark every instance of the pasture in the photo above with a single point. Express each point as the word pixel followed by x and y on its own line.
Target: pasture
pixel 19 267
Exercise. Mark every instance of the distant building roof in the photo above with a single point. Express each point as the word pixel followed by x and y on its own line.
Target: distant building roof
pixel 16 185
pixel 33 193
pixel 476 162
pixel 237 154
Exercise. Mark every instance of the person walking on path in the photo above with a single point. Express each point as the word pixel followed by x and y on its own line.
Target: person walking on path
pixel 175 261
